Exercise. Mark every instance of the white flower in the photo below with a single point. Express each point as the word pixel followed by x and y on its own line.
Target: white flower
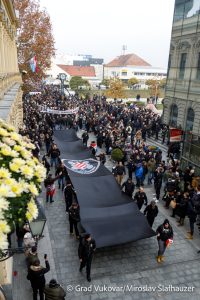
pixel 33 189
pixel 4 173
pixel 3 241
pixel 27 171
pixel 5 191
pixel 8 141
pixel 4 204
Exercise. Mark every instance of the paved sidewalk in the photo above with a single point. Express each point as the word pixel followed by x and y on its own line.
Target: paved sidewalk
pixel 126 266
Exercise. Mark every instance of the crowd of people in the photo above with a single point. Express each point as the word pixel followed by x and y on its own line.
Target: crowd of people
pixel 115 126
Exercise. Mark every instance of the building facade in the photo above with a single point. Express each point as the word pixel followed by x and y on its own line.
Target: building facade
pixel 182 95
pixel 10 78
pixel 130 65
pixel 10 94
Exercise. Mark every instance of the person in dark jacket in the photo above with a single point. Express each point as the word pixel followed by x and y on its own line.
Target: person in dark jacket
pixel 62 172
pixel 53 291
pixel 129 187
pixel 164 237
pixel 151 211
pixel 192 215
pixel 131 168
pixel 54 154
pixel 36 276
pixel 69 195
pixel 74 218
pixel 141 198
pixel 120 170
pixel 158 176
pixel 86 250
pixel 181 208
pixel 85 138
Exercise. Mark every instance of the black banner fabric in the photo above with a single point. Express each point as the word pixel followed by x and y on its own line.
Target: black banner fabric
pixel 110 216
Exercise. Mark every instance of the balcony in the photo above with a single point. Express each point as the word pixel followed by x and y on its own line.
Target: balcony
pixel 7 80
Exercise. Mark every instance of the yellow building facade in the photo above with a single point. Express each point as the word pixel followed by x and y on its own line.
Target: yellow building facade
pixel 10 96
pixel 10 78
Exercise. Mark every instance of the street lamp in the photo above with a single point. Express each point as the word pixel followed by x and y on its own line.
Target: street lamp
pixel 62 77
pixel 36 227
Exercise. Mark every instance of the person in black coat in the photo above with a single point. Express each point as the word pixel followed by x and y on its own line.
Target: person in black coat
pixel 164 235
pixel 74 218
pixel 129 187
pixel 86 250
pixel 181 208
pixel 151 211
pixel 69 195
pixel 36 276
pixel 140 197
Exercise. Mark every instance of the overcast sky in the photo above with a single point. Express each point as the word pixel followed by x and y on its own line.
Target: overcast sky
pixel 101 27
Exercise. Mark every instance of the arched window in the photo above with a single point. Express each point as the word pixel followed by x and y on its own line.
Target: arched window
pixel 190 119
pixel 174 115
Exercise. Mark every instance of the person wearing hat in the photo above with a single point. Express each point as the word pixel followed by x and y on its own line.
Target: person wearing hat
pixel 164 236
pixel 86 250
pixel 53 291
pixel 151 211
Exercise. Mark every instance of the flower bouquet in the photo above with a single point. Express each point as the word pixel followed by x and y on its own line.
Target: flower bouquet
pixel 21 176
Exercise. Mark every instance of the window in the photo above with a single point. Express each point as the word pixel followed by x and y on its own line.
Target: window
pixel 169 64
pixel 190 119
pixel 174 115
pixel 124 73
pixel 113 73
pixel 198 68
pixel 182 65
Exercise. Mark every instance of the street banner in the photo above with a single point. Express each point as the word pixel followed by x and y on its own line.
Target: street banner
pixel 108 214
pixel 59 112
pixel 176 135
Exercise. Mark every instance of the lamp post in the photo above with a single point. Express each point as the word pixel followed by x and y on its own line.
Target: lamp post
pixel 62 77
pixel 36 228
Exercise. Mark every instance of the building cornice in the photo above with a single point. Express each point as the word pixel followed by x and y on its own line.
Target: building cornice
pixel 9 6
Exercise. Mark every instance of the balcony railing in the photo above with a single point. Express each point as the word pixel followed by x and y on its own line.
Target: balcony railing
pixel 7 80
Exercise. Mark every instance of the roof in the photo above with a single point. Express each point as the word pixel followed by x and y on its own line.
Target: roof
pixel 127 60
pixel 86 71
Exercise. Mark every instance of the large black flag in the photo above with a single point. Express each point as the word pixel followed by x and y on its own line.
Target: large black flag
pixel 106 213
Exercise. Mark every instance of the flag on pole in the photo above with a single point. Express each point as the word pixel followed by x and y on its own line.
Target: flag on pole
pixel 33 64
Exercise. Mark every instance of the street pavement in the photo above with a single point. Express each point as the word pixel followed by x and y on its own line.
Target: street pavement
pixel 118 272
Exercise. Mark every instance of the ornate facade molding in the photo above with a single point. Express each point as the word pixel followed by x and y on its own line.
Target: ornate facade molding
pixel 183 45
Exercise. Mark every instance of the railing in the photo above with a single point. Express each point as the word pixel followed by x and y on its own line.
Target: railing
pixel 7 80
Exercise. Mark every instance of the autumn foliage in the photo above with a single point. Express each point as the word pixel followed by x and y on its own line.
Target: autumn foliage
pixel 34 38
pixel 116 89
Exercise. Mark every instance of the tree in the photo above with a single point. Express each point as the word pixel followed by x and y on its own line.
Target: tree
pixel 116 89
pixel 163 83
pixel 105 82
pixel 117 154
pixel 154 86
pixel 76 82
pixel 35 38
pixel 132 81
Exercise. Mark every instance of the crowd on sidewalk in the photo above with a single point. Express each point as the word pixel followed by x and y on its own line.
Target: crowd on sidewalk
pixel 115 126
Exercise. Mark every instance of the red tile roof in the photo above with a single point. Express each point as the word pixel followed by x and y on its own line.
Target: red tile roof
pixel 78 71
pixel 128 60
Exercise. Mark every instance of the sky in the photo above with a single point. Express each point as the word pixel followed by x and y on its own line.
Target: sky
pixel 101 28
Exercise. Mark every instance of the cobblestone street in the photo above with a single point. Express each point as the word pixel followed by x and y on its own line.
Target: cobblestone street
pixel 130 265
